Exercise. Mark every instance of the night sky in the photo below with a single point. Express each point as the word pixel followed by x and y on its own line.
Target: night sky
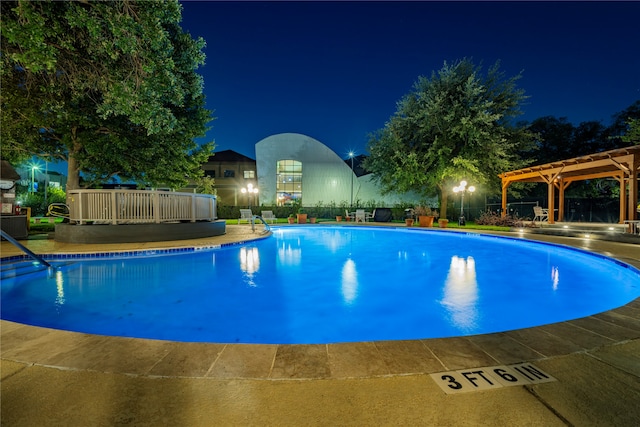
pixel 335 70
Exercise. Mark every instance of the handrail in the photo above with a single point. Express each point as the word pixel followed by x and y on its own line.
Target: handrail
pixel 123 206
pixel 253 225
pixel 24 249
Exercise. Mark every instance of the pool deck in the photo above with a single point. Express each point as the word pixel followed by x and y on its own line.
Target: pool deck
pixel 51 377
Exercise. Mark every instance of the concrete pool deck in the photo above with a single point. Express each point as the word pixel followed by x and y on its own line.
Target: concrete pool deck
pixel 52 377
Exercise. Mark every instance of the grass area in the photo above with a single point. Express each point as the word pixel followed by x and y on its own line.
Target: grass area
pixel 474 226
pixel 43 226
pixel 469 225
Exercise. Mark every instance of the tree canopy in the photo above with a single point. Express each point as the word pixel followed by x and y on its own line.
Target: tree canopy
pixel 109 87
pixel 457 124
pixel 633 136
pixel 558 139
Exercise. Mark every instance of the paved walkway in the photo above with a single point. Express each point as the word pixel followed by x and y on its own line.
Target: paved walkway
pixel 52 377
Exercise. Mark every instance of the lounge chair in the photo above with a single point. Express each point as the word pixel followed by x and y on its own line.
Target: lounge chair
pixel 268 216
pixel 540 214
pixel 245 215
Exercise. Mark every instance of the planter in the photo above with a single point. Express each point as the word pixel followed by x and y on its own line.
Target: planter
pixel 425 221
pixel 291 220
pixel 338 218
pixel 408 222
pixel 443 223
pixel 302 218
pixel 312 220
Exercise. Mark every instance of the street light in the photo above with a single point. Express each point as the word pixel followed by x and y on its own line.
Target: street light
pixel 251 192
pixel 351 154
pixel 462 188
pixel 33 185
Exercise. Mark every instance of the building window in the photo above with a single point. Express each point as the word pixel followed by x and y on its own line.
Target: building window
pixel 228 173
pixel 249 174
pixel 288 182
pixel 210 173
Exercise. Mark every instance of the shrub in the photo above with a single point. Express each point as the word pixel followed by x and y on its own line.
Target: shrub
pixel 36 201
pixel 421 210
pixel 494 218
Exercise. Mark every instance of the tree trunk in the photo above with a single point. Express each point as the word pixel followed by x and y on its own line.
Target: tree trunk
pixel 443 203
pixel 73 175
pixel 73 171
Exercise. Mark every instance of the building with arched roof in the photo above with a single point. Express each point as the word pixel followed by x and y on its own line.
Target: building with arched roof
pixel 292 166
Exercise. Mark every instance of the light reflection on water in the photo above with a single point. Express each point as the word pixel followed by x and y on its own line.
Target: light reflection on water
pixel 249 263
pixel 461 293
pixel 349 281
pixel 59 288
pixel 555 277
pixel 289 255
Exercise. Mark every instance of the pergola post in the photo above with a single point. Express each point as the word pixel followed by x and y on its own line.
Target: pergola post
pixel 505 185
pixel 551 202
pixel 623 197
pixel 633 189
pixel 562 185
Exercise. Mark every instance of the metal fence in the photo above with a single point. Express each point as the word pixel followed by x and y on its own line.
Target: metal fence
pixel 577 209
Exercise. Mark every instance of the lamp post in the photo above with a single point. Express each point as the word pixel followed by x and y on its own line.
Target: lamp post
pixel 46 185
pixel 251 191
pixel 33 185
pixel 351 154
pixel 462 188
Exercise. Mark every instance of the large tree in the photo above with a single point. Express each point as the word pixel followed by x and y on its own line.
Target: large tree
pixel 457 124
pixel 109 87
pixel 557 139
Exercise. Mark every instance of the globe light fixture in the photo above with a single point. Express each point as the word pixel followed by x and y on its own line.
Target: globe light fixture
pixel 251 191
pixel 462 188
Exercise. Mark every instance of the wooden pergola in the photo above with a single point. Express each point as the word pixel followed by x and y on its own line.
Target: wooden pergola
pixel 622 164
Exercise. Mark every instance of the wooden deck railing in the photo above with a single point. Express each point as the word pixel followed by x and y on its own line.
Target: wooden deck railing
pixel 138 206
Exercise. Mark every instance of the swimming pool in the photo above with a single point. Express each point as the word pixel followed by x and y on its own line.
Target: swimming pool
pixel 325 284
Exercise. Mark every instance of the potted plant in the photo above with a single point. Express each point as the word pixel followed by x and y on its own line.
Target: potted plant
pixel 408 222
pixel 425 215
pixel 291 219
pixel 338 218
pixel 443 222
pixel 302 216
pixel 312 219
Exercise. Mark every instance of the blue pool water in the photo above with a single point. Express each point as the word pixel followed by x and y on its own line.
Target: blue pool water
pixel 323 285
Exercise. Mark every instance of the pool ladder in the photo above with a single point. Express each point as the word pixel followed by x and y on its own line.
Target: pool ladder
pixel 253 223
pixel 20 246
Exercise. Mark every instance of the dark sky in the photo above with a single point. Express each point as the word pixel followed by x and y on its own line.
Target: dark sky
pixel 335 70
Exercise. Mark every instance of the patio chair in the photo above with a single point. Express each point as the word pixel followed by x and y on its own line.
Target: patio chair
pixel 245 215
pixel 540 214
pixel 369 216
pixel 268 216
pixel 360 215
